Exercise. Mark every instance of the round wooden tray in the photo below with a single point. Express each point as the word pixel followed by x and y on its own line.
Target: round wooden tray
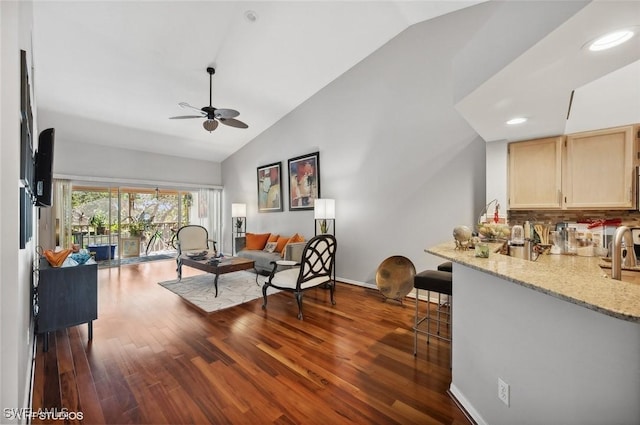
pixel 394 277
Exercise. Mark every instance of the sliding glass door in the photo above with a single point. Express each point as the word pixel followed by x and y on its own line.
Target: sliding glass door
pixel 125 222
pixel 93 215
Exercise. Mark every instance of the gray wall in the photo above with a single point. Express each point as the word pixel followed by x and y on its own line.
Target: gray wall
pixel 402 165
pixel 77 156
pixel 89 160
pixel 564 363
pixel 16 329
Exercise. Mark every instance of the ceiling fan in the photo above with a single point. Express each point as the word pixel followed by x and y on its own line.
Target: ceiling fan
pixel 212 115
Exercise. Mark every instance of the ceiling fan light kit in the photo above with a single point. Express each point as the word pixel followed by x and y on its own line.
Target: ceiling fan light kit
pixel 210 125
pixel 212 115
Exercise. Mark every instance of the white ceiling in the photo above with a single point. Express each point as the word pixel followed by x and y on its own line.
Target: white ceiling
pixel 112 73
pixel 538 84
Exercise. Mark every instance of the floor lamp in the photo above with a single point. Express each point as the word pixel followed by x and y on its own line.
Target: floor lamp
pixel 239 222
pixel 324 212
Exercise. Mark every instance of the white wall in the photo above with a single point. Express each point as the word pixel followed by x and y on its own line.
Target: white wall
pixel 564 363
pixel 84 159
pixel 401 163
pixel 16 335
pixel 496 160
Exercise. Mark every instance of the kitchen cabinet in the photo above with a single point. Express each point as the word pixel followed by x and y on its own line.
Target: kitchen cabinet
pixel 66 296
pixel 598 169
pixel 588 170
pixel 535 174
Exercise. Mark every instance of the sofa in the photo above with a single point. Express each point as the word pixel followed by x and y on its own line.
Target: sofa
pixel 267 247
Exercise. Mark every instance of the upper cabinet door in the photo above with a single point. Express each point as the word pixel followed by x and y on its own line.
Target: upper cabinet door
pixel 599 169
pixel 535 174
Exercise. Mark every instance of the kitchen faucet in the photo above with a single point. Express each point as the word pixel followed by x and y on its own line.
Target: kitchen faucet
pixel 616 256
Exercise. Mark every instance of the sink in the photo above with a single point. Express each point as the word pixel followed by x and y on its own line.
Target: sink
pixel 607 265
pixel 629 274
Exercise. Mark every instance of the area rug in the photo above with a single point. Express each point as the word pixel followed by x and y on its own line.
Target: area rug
pixel 233 289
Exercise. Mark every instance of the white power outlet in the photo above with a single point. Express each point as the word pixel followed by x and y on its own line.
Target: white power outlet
pixel 503 391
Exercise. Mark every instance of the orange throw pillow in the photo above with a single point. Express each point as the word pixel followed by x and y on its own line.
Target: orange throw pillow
pixel 293 239
pixel 282 242
pixel 257 240
pixel 273 238
pixel 56 259
pixel 296 238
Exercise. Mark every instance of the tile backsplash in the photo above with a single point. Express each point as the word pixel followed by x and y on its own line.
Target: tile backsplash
pixel 629 218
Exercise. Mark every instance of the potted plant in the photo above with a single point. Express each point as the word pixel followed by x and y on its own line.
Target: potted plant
pixel 136 228
pixel 239 223
pixel 324 226
pixel 99 222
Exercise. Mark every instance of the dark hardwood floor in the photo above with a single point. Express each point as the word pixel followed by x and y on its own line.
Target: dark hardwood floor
pixel 155 360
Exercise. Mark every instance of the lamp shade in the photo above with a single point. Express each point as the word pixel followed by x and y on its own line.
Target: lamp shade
pixel 238 210
pixel 324 209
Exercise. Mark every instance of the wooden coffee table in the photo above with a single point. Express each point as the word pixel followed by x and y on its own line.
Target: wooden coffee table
pixel 226 265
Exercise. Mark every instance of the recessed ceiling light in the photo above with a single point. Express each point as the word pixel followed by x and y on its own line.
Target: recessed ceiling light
pixel 610 40
pixel 517 120
pixel 251 16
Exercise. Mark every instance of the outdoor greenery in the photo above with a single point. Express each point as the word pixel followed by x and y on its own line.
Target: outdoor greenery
pixel 147 214
pixel 91 207
pixel 135 226
pixel 99 219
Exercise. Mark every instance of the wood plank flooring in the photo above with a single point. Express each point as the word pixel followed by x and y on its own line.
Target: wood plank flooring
pixel 155 360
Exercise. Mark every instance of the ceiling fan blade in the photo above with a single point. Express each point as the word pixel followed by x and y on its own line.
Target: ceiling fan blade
pixel 232 122
pixel 212 115
pixel 226 113
pixel 210 125
pixel 186 105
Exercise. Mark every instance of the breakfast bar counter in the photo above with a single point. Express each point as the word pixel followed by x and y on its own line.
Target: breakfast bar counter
pixel 558 331
pixel 579 280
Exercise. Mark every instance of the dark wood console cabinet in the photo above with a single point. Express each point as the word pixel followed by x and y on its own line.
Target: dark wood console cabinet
pixel 67 296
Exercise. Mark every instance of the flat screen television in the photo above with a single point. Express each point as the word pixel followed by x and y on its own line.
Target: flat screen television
pixel 44 168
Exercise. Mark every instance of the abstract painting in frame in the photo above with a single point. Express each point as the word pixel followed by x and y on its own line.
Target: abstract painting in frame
pixel 270 188
pixel 26 127
pixel 304 181
pixel 26 217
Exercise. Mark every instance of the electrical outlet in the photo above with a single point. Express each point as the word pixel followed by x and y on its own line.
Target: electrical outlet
pixel 503 391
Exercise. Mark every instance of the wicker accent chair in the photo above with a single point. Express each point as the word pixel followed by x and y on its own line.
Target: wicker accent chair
pixel 314 269
pixel 192 238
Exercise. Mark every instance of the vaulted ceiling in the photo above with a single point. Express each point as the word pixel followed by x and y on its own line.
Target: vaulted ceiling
pixel 112 73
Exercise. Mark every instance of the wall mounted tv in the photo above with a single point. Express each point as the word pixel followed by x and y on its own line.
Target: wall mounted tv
pixel 44 168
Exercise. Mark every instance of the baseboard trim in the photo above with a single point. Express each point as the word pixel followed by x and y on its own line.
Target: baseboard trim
pixel 412 294
pixel 32 372
pixel 356 283
pixel 463 404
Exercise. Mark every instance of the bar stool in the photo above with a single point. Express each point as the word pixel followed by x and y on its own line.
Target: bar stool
pixel 447 266
pixel 433 281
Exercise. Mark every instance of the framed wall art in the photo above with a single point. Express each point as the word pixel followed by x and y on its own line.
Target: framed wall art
pixel 26 127
pixel 304 181
pixel 26 217
pixel 270 188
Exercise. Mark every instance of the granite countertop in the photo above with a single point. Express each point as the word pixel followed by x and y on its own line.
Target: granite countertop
pixel 579 280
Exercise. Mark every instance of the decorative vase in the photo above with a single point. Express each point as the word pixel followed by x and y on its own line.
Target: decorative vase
pixel 462 236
